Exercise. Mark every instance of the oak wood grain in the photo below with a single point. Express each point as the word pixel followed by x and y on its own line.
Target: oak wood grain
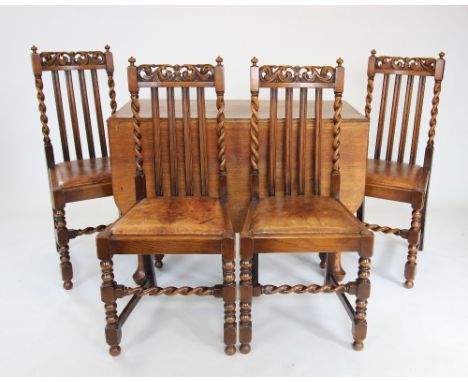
pixel 237 130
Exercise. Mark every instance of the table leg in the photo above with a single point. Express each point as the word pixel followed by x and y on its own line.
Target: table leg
pixel 338 270
pixel 140 275
pixel 334 264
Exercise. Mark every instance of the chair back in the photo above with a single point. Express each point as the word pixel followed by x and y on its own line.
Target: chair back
pixel 293 155
pixel 72 64
pixel 396 68
pixel 180 160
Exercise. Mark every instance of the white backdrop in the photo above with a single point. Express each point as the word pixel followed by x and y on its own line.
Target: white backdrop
pixel 292 35
pixel 275 34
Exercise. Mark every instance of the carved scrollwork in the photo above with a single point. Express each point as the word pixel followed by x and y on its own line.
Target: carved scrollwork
pixel 419 64
pixel 176 73
pixel 80 58
pixel 294 74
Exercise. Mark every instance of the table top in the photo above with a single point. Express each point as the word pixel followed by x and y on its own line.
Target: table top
pixel 240 109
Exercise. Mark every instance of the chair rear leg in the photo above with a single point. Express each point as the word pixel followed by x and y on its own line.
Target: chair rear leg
pixel 360 212
pixel 330 259
pixel 255 269
pixel 323 259
pixel 423 226
pixel 62 239
pixel 229 296
pixel 150 274
pixel 246 294
pixel 413 244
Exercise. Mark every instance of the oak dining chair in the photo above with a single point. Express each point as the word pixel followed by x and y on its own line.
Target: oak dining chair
pixel 75 177
pixel 177 209
pixel 395 174
pixel 292 208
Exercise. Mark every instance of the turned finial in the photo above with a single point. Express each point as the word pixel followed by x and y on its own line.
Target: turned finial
pixel 441 54
pixel 219 60
pixel 34 49
pixel 107 47
pixel 373 52
pixel 132 60
pixel 254 61
pixel 339 61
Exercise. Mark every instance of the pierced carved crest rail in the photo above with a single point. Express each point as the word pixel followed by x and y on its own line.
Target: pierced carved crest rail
pixel 411 63
pixel 176 73
pixel 422 66
pixel 296 74
pixel 73 60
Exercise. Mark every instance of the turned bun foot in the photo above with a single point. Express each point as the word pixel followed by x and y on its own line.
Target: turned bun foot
pixel 139 277
pixel 409 284
pixel 244 348
pixel 158 264
pixel 114 350
pixel 67 285
pixel 323 264
pixel 230 350
pixel 358 345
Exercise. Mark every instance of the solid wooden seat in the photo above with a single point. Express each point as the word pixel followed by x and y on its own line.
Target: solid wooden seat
pixel 173 216
pixel 301 215
pixel 402 180
pixel 398 175
pixel 75 178
pixel 81 173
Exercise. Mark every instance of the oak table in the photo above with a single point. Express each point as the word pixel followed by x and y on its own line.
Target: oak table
pixel 354 141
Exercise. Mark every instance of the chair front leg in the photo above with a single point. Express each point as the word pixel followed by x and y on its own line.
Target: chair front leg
pixel 113 330
pixel 414 235
pixel 229 296
pixel 62 240
pixel 246 294
pixel 362 294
